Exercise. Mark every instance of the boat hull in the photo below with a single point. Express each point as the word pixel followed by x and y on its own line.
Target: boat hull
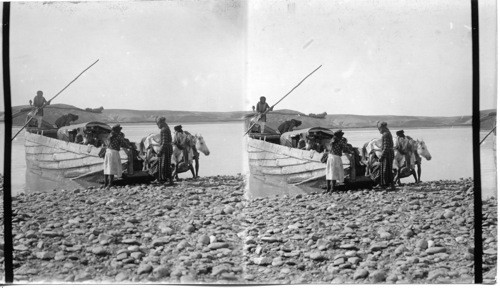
pixel 50 157
pixel 289 164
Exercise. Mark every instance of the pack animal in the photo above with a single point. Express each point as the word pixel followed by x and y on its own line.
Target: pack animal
pixel 150 145
pixel 373 149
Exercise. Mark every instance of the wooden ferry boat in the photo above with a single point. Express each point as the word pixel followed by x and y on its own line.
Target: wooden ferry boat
pixel 48 155
pixel 274 155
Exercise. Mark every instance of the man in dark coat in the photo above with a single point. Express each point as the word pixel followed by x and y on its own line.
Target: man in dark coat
pixel 165 153
pixel 387 157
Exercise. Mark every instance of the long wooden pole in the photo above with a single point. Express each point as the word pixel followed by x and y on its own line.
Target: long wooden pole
pixel 487 135
pixel 271 108
pixel 36 110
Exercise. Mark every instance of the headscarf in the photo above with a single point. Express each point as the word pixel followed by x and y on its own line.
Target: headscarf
pixel 400 133
pixel 160 120
pixel 116 128
pixel 338 133
pixel 178 128
pixel 381 124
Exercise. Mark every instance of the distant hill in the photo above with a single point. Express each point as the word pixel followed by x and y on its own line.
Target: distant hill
pixel 339 121
pixel 274 118
pixel 52 112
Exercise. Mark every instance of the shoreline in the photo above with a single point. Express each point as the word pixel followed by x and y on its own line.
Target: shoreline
pixel 331 127
pixel 206 231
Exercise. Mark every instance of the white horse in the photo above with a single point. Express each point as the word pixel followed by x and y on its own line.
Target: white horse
pixel 151 144
pixel 418 147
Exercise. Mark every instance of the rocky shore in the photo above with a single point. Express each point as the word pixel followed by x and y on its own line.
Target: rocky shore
pixel 205 231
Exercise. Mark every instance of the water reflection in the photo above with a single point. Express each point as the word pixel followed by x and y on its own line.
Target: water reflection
pixel 35 182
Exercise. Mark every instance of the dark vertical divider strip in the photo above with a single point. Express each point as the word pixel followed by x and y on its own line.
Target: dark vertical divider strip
pixel 7 197
pixel 478 241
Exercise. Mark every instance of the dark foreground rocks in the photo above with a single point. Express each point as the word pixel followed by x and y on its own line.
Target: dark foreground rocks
pixel 490 240
pixel 418 234
pixel 204 231
pixel 144 233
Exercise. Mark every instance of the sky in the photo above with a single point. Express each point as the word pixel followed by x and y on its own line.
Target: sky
pixel 379 57
pixel 173 55
pixel 410 57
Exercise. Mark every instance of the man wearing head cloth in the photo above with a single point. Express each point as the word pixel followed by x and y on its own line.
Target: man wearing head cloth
pixel 262 107
pixel 387 157
pixel 165 153
pixel 403 147
pixel 181 140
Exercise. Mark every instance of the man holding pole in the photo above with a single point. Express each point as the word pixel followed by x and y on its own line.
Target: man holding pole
pixel 262 107
pixel 39 102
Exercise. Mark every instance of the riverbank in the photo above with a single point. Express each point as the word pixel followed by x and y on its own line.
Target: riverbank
pixel 205 231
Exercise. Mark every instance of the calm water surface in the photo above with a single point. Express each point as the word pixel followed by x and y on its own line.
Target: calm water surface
pixel 451 150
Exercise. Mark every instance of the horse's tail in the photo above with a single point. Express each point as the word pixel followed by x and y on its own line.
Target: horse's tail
pixel 364 152
pixel 142 147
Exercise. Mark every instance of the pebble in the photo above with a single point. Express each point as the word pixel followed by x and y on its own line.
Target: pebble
pixel 144 268
pixel 318 256
pixel 263 261
pixel 218 245
pixel 360 274
pixel 100 251
pixel 421 244
pixel 377 276
pixel 434 250
pixel 122 276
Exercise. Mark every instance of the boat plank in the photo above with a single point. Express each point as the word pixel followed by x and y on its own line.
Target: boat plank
pixel 265 156
pixel 277 162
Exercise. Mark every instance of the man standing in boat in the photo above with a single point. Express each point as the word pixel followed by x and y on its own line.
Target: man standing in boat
pixel 387 157
pixel 39 102
pixel 262 107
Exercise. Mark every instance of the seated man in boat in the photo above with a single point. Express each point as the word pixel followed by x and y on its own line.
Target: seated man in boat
pixel 289 125
pixel 312 144
pixel 66 120
pixel 301 144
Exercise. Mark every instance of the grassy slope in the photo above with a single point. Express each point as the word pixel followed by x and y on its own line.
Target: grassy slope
pixel 274 118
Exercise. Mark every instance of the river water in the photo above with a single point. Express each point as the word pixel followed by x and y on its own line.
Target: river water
pixel 451 150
